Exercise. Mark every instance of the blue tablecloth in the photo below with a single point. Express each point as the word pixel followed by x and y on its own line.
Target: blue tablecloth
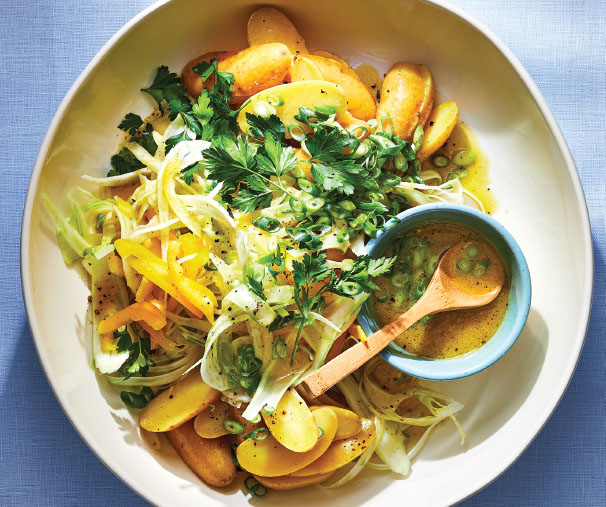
pixel 44 45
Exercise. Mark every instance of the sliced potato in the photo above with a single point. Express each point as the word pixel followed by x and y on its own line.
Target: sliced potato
pixel 209 422
pixel 292 423
pixel 269 458
pixel 247 425
pixel 271 25
pixel 361 102
pixel 336 58
pixel 348 422
pixel 254 69
pixel 438 128
pixel 177 404
pixel 407 97
pixel 209 458
pixel 303 69
pixel 289 482
pixel 300 94
pixel 359 128
pixel 341 452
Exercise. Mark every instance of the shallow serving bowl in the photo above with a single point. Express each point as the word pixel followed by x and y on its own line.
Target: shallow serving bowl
pixel 533 177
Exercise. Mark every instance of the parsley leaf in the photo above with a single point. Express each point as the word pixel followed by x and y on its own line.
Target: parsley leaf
pixel 256 288
pixel 124 162
pixel 166 86
pixel 188 172
pixel 146 139
pixel 131 123
pixel 202 109
pixel 328 145
pixel 139 360
pixel 134 400
pixel 248 201
pixel 259 126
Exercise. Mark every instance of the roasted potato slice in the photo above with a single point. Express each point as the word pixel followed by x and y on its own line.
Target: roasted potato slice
pixel 268 24
pixel 438 128
pixel 289 482
pixel 269 458
pixel 209 422
pixel 341 452
pixel 177 404
pixel 292 423
pixel 254 69
pixel 296 95
pixel 348 423
pixel 407 97
pixel 361 102
pixel 209 458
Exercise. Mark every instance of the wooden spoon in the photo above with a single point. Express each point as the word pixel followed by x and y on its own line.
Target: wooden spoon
pixel 448 289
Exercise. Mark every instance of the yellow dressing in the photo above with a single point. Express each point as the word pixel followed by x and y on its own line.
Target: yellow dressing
pixel 448 334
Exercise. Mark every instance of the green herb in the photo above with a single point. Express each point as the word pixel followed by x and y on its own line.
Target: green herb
pixel 256 287
pixel 124 162
pixel 233 427
pixel 260 126
pixel 139 360
pixel 246 374
pixel 166 87
pixel 146 139
pixel 131 123
pixel 134 400
pixel 188 172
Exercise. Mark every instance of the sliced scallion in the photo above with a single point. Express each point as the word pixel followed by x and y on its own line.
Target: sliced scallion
pixel 471 251
pixel 464 265
pixel 441 161
pixel 233 427
pixel 350 288
pixel 308 187
pixel 464 158
pixel 275 100
pixel 267 224
pixel 263 108
pixel 296 132
pixel 259 434
pixel 279 349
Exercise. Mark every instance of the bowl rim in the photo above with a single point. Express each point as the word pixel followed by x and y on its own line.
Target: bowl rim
pixel 583 322
pixel 475 361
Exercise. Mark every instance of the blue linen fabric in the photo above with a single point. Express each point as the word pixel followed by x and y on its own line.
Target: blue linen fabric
pixel 44 45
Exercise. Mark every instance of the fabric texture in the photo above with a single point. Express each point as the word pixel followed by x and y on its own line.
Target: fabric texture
pixel 44 45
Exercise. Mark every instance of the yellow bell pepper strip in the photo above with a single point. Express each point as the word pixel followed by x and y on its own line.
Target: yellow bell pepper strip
pixel 190 245
pixel 108 343
pixel 124 207
pixel 157 338
pixel 144 292
pixel 144 311
pixel 195 292
pixel 153 268
pixel 115 264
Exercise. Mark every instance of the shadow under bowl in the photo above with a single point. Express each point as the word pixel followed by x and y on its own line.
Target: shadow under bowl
pixel 519 294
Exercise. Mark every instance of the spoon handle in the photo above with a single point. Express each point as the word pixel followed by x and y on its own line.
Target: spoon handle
pixel 347 362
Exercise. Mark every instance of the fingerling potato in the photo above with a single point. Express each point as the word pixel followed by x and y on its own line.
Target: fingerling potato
pixel 254 69
pixel 177 404
pixel 303 69
pixel 341 452
pixel 361 102
pixel 407 97
pixel 438 128
pixel 270 459
pixel 268 24
pixel 292 423
pixel 348 423
pixel 209 458
pixel 209 422
pixel 336 58
pixel 289 482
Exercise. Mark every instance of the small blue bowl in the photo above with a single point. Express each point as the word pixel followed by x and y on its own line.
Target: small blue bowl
pixel 519 294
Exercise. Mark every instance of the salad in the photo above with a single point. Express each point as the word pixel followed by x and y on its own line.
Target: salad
pixel 225 250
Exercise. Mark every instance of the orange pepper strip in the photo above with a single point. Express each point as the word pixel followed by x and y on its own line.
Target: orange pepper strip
pixel 172 305
pixel 144 311
pixel 153 268
pixel 144 291
pixel 157 338
pixel 200 296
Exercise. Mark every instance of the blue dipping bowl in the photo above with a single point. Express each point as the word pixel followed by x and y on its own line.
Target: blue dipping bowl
pixel 519 294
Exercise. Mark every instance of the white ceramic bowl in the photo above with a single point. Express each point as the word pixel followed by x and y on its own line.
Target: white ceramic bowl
pixel 533 176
